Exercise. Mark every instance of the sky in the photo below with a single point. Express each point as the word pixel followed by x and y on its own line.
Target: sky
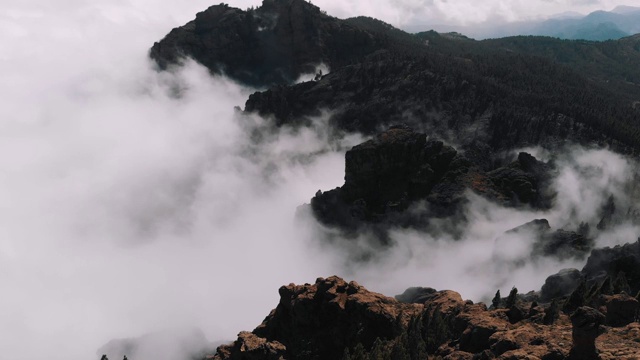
pixel 404 13
pixel 126 210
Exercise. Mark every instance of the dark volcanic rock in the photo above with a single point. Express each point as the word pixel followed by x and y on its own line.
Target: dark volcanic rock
pixel 270 45
pixel 401 178
pixel 561 284
pixel 610 262
pixel 527 180
pixel 561 244
pixel 416 295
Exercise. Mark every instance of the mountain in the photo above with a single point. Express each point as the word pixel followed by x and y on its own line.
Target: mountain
pixel 597 26
pixel 502 93
pixel 443 116
pixel 270 45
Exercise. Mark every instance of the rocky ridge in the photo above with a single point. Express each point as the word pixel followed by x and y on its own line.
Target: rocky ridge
pixel 477 93
pixel 400 168
pixel 270 45
pixel 335 319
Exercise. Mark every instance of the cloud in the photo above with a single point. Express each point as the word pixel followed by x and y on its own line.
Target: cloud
pixel 483 259
pixel 414 14
pixel 127 209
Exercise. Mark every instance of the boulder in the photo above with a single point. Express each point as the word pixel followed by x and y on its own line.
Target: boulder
pixel 560 284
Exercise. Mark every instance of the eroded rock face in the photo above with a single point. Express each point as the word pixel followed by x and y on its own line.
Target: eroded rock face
pixel 327 317
pixel 270 45
pixel 402 178
pixel 252 347
pixel 561 284
pixel 610 262
pixel 321 320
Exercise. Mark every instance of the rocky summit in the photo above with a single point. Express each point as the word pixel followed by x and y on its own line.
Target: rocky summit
pixel 400 169
pixel 336 319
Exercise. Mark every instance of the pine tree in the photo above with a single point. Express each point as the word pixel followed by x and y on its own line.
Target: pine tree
pixel 577 298
pixel 417 345
pixel 606 288
pixel 401 348
pixel 359 353
pixel 551 313
pixel 379 351
pixel 495 303
pixel 346 355
pixel 620 284
pixel 437 331
pixel 511 299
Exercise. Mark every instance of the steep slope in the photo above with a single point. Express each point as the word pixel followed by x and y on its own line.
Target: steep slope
pixel 497 94
pixel 272 44
pixel 388 176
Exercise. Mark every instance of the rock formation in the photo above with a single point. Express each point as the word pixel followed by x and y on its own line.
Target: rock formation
pixel 270 45
pixel 401 168
pixel 332 317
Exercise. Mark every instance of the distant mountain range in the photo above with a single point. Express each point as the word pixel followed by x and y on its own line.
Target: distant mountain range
pixel 597 26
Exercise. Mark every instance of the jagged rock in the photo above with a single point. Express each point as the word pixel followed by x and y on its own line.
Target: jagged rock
pixel 560 284
pixel 331 315
pixel 577 298
pixel 527 180
pixel 251 347
pixel 323 319
pixel 416 295
pixel 270 45
pixel 609 262
pixel 586 324
pixel 401 178
pixel 622 309
pixel 543 242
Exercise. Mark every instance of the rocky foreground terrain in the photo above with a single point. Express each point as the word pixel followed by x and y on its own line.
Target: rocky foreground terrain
pixel 336 319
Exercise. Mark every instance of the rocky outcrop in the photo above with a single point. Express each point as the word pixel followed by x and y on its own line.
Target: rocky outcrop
pixel 612 261
pixel 252 347
pixel 538 235
pixel 332 317
pixel 387 177
pixel 561 284
pixel 270 45
pixel 325 318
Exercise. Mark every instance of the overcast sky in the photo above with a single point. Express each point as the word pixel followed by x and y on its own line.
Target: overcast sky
pixel 463 12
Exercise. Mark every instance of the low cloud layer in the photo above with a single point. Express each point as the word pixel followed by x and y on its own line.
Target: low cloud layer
pixel 484 259
pixel 135 201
